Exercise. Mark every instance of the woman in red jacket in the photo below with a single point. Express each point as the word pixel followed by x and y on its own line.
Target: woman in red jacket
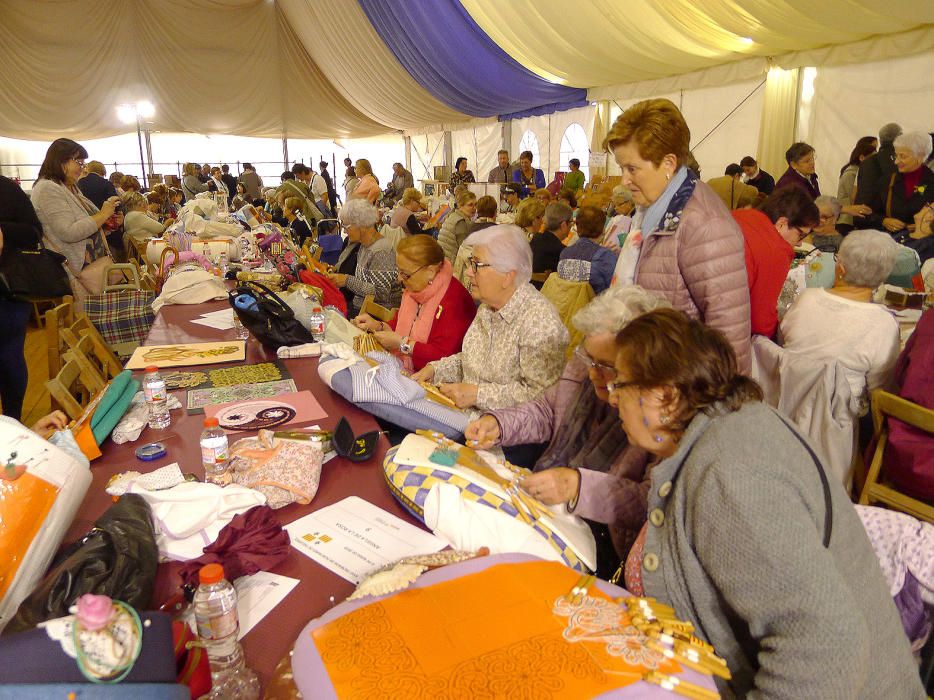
pixel 436 310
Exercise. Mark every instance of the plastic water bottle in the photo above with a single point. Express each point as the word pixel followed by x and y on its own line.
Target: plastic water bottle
pixel 214 453
pixel 223 262
pixel 317 322
pixel 157 398
pixel 215 606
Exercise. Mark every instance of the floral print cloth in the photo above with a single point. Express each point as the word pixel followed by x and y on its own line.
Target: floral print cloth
pixel 513 354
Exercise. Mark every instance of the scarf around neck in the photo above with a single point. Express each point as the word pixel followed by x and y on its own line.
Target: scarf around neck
pixel 418 309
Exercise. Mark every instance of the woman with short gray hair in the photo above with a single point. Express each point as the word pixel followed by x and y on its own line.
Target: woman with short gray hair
pixel 587 464
pixel 515 347
pixel 909 189
pixel 842 323
pixel 376 271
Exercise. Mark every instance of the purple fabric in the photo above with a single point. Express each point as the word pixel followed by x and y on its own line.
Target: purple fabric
pixel 911 610
pixel 446 52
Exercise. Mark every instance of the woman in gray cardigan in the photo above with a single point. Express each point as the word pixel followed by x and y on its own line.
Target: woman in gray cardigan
pixel 70 221
pixel 747 538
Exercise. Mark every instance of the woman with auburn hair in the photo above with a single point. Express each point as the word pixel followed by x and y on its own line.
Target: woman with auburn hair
pixel 800 157
pixel 683 244
pixel 528 178
pixel 436 309
pixel 747 538
pixel 367 188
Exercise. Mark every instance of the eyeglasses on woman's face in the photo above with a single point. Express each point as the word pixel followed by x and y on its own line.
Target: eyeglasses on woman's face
pixel 604 368
pixel 614 386
pixel 476 264
pixel 406 276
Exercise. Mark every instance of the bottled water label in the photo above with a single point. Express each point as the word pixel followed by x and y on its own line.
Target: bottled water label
pixel 155 392
pixel 211 454
pixel 217 626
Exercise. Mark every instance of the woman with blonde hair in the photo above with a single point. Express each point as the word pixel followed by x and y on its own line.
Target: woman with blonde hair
pixel 138 224
pixel 436 309
pixel 529 215
pixel 456 226
pixel 292 211
pixel 368 186
pixel 683 245
pixel 403 216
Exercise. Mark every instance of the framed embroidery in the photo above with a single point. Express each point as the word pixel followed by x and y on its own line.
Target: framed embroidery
pixel 199 398
pixel 187 354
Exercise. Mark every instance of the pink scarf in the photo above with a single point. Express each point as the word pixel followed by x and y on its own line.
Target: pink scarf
pixel 418 309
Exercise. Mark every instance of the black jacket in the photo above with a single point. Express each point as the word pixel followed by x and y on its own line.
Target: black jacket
pixel 96 188
pixel 763 182
pixel 231 183
pixel 18 220
pixel 546 252
pixel 872 181
pixel 899 206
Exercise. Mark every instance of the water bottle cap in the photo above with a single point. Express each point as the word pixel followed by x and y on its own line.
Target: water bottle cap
pixel 211 423
pixel 211 573
pixel 151 368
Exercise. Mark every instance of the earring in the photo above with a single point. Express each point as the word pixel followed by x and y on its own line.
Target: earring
pixel 667 176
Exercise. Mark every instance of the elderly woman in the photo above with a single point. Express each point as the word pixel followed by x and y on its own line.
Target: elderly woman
pixel 684 245
pixel 367 187
pixel 404 214
pixel 586 464
pixel 191 183
pixel 800 158
pixel 909 189
pixel 747 538
pixel 71 223
pixel 138 224
pixel 216 183
pixel 586 260
pixel 376 272
pixel 456 226
pixel 530 215
pixel 846 188
pixel 619 219
pixel 824 236
pixel 528 178
pixel 515 347
pixel 436 310
pixel 842 323
pixel 298 225
pixel 461 175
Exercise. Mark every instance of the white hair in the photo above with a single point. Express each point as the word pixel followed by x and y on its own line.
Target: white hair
pixel 360 213
pixel 613 309
pixel 918 142
pixel 831 202
pixel 867 257
pixel 507 248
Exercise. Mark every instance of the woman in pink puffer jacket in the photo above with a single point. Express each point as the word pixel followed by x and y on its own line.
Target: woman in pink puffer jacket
pixel 683 244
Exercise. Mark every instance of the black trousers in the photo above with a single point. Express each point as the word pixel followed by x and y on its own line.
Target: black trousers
pixel 14 316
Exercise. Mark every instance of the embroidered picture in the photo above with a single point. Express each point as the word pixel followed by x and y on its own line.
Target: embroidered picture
pixel 184 354
pixel 199 398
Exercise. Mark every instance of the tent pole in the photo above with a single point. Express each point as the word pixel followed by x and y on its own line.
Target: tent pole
pixel 285 153
pixel 407 140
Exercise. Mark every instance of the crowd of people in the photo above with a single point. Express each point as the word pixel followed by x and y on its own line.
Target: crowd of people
pixel 634 405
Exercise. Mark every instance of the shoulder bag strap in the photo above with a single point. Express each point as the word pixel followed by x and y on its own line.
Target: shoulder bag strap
pixel 888 198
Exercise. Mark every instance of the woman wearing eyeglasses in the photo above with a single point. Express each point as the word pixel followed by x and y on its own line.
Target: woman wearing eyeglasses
pixel 747 537
pixel 71 223
pixel 514 349
pixel 586 464
pixel 436 309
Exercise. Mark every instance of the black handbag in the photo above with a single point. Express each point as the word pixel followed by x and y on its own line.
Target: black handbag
pixel 33 274
pixel 117 558
pixel 269 319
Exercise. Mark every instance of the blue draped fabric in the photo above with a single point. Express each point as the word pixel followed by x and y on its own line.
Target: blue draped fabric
pixel 446 52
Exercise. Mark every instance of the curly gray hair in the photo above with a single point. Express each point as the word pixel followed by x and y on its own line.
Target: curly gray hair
pixel 360 213
pixel 867 257
pixel 614 308
pixel 918 142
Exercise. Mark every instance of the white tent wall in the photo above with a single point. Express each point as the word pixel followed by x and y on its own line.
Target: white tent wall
pixel 855 100
pixel 703 110
pixel 427 151
pixel 478 144
pixel 19 158
pixel 549 130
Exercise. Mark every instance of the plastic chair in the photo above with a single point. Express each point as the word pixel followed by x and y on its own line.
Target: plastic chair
pixel 885 406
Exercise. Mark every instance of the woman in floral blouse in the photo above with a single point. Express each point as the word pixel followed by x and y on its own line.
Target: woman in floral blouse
pixel 515 347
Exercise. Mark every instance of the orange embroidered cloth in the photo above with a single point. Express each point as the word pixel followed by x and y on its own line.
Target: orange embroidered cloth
pixel 506 631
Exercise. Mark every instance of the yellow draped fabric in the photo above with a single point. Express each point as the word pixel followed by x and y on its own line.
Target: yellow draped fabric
pixel 215 66
pixel 595 43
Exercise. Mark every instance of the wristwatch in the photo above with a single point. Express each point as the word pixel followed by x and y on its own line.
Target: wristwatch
pixel 405 347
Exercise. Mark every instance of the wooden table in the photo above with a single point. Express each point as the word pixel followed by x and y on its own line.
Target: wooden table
pixel 273 637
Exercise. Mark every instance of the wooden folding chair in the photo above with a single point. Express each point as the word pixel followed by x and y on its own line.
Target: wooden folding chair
pixel 541 277
pixel 377 311
pixel 109 363
pixel 62 316
pixel 81 351
pixel 884 407
pixel 69 387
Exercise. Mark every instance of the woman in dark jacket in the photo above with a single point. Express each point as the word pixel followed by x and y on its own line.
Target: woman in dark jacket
pixel 19 230
pixel 800 173
pixel 909 189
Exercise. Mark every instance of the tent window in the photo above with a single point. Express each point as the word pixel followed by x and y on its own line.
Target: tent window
pixel 574 145
pixel 529 142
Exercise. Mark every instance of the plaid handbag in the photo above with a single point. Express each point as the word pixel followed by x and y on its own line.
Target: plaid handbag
pixel 121 316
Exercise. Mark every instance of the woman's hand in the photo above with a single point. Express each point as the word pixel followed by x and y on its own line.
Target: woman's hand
pixel 483 432
pixel 388 339
pixel 109 207
pixel 552 486
pixel 425 374
pixel 365 322
pixel 463 395
pixel 338 279
pixel 892 225
pixel 856 210
pixel 47 425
